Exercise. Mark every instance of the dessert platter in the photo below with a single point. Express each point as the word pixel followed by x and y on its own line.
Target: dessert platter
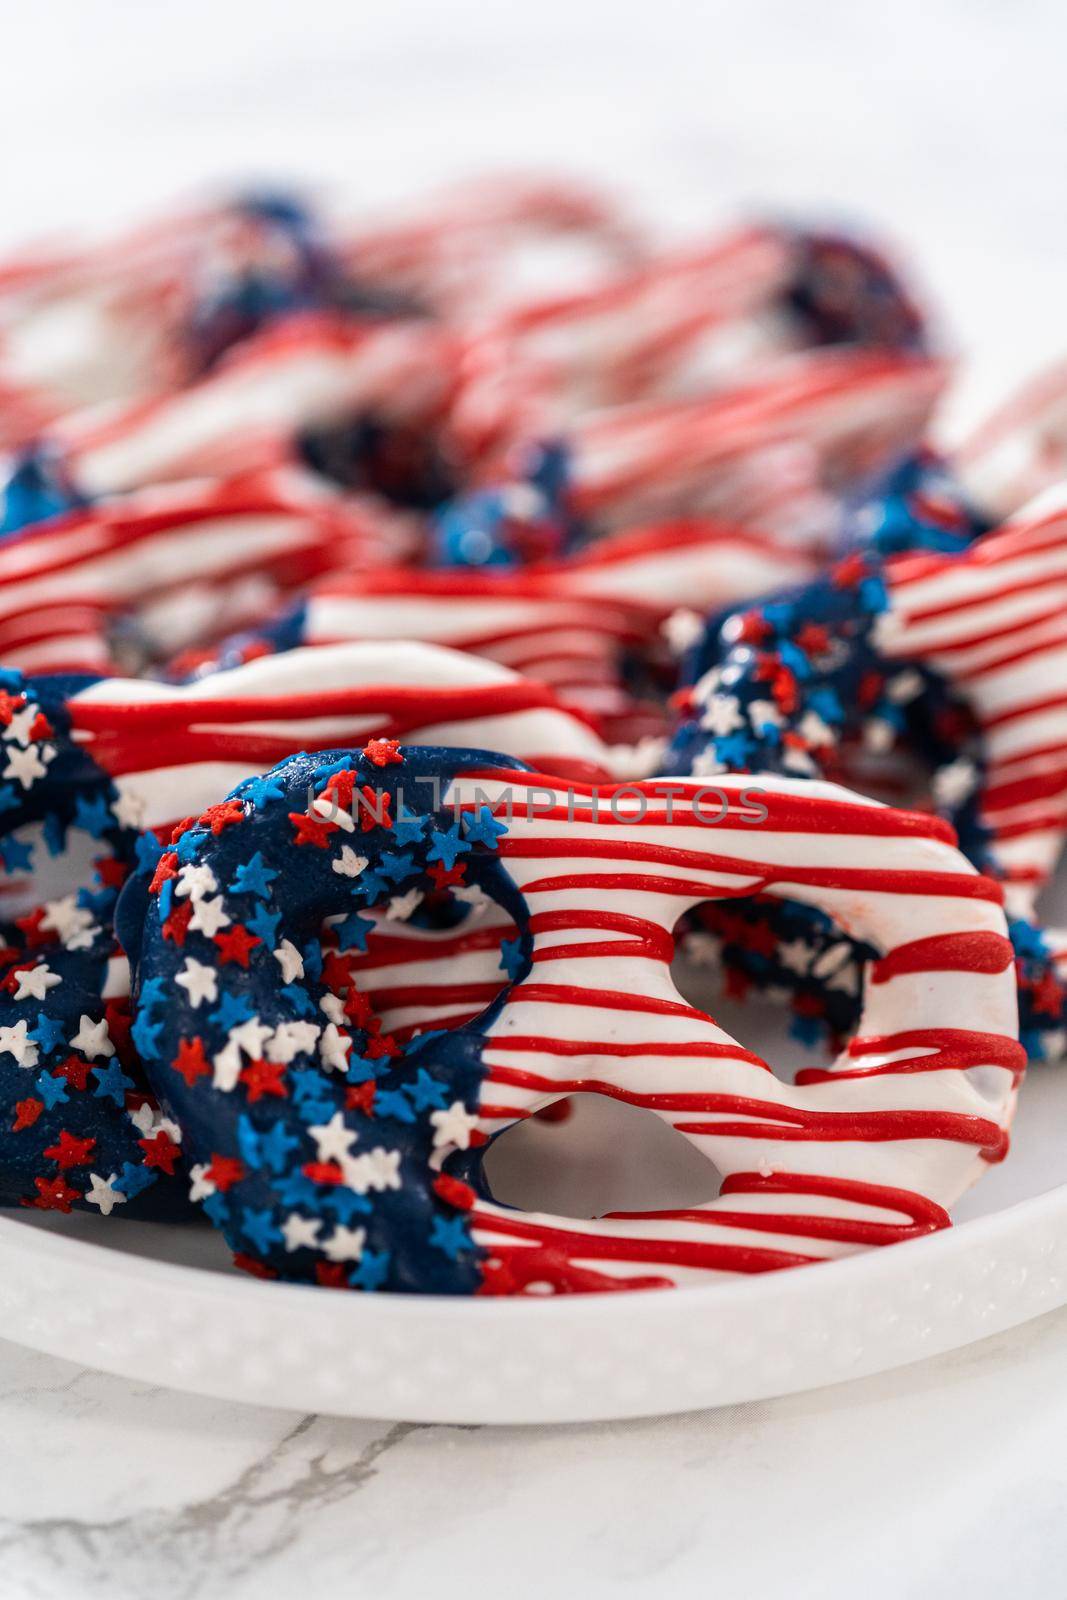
pixel 529 818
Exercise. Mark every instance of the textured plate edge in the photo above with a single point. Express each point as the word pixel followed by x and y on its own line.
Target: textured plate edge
pixel 570 1360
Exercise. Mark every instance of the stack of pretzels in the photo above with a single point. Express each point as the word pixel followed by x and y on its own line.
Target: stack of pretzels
pixel 396 664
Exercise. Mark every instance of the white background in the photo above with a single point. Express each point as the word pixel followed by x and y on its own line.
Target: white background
pixel 942 122
pixel 945 124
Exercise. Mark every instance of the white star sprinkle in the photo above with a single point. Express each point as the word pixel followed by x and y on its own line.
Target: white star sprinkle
pixel 722 715
pixel 706 764
pixel 250 1037
pixel 378 1169
pixel 878 735
pixel 25 765
pixel 349 864
pixel 227 1065
pixel 290 1039
pixel 333 1007
pixel 326 806
pixel 682 629
pixel 202 1187
pixel 13 1042
pixel 333 1048
pixel 814 731
pixel 195 882
pixel 401 906
pixel 954 782
pixel 200 982
pixel 69 921
pixel 35 982
pixel 904 687
pixel 104 1194
pixel 209 917
pixel 18 729
pixel 333 1139
pixel 763 714
pixel 454 1126
pixel 128 809
pixel 290 960
pixel 345 1244
pixel 143 1119
pixel 92 1038
pixel 301 1232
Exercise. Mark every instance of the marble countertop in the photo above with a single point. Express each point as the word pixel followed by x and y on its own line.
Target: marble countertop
pixel 940 120
pixel 944 1479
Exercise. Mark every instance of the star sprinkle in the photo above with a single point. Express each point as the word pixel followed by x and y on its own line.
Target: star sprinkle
pixel 111 1083
pixel 446 845
pixel 15 1041
pixel 483 828
pixel 209 916
pixel 103 1193
pixel 253 877
pixel 334 1139
pixel 453 1126
pixel 345 1244
pixel 348 864
pixel 200 982
pixel 290 960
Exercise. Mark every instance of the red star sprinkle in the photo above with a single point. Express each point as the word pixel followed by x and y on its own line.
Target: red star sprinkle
pixel 160 1151
pixel 323 1172
pixel 753 628
pixel 225 1171
pixel 119 1023
pixel 1047 998
pixel 263 1078
pixel 848 573
pixel 813 639
pixel 335 972
pixel 330 1275
pixel 236 944
pixel 41 728
pixel 254 1268
pixel 358 1010
pixel 30 925
pixel 76 1071
pixel 111 871
pixel 26 1114
pixel 360 1097
pixel 176 926
pixel 166 867
pixel 445 878
pixel 383 752
pixel 375 812
pixel 53 1194
pixel 69 1151
pixel 870 687
pixel 339 789
pixel 191 1062
pixel 312 830
pixel 9 704
pixel 221 816
pixel 386 1045
pixel 453 1192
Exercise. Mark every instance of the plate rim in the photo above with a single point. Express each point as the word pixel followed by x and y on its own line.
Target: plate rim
pixel 862 1314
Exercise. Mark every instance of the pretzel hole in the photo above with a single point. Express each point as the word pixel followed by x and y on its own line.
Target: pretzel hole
pixel 782 978
pixel 607 1156
pixel 436 966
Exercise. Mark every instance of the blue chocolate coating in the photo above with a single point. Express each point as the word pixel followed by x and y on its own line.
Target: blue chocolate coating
pixel 316 1163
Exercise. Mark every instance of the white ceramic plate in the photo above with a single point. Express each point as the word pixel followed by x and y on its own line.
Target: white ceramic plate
pixel 162 1305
